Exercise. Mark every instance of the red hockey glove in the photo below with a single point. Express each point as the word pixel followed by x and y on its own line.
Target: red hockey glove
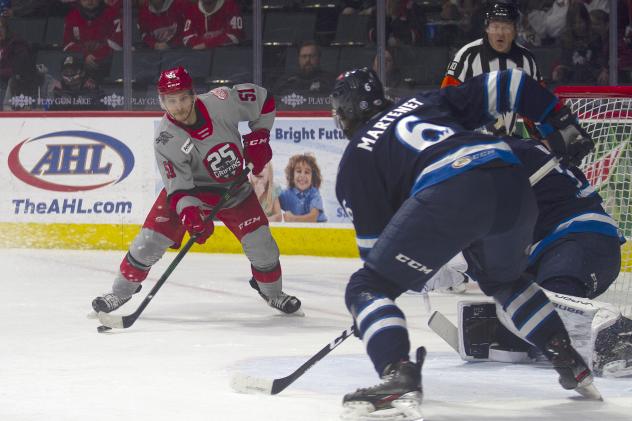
pixel 257 149
pixel 193 220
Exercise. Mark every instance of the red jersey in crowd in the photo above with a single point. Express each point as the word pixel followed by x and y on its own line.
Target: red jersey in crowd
pixel 96 35
pixel 223 25
pixel 164 25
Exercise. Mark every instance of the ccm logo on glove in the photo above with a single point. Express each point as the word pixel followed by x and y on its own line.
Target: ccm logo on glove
pixel 257 149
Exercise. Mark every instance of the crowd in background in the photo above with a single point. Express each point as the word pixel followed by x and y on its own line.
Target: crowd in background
pixel 569 36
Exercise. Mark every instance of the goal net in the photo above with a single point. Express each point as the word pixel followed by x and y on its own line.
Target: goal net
pixel 606 113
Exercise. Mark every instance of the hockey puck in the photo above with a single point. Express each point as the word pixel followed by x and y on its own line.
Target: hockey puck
pixel 102 329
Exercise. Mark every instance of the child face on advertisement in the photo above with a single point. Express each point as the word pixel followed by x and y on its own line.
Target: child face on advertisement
pixel 302 176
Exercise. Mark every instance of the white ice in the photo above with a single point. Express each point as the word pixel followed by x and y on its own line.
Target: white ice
pixel 206 323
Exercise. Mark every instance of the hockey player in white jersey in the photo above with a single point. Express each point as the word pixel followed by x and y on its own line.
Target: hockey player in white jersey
pixel 199 153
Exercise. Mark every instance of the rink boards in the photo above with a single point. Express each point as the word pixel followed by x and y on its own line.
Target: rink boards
pixel 87 180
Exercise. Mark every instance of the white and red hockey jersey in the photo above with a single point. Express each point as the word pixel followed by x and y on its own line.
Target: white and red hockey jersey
pixel 98 36
pixel 221 26
pixel 204 160
pixel 164 25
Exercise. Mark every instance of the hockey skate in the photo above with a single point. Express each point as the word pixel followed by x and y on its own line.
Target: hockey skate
pixel 397 398
pixel 287 304
pixel 109 302
pixel 574 373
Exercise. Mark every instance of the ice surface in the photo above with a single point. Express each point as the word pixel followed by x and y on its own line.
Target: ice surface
pixel 206 323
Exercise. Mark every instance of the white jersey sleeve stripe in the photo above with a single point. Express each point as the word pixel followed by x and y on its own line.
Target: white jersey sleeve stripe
pixel 492 93
pixel 514 86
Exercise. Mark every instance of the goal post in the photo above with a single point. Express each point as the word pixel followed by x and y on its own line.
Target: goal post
pixel 606 113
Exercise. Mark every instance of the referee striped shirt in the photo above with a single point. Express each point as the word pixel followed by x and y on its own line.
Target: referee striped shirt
pixel 479 57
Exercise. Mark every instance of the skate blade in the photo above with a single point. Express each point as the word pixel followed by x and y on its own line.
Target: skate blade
pixel 406 408
pixel 590 392
pixel 297 313
pixel 92 315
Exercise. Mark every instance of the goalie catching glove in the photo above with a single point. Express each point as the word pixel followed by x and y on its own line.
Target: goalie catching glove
pixel 569 140
pixel 257 149
pixel 192 219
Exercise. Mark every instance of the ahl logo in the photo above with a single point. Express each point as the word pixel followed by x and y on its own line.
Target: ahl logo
pixel 75 160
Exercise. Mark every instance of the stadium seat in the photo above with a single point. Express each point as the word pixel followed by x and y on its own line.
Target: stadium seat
pixel 352 30
pixel 198 63
pixel 546 59
pixel 277 4
pixel 53 60
pixel 54 35
pixel 30 30
pixel 145 66
pixel 282 28
pixel 422 65
pixel 231 65
pixel 356 57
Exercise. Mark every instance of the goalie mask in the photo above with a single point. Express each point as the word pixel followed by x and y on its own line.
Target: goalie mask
pixel 357 96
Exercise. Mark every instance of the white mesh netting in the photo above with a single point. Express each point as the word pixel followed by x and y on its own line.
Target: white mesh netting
pixel 606 113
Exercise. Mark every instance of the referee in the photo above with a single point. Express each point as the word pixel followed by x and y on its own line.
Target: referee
pixel 496 50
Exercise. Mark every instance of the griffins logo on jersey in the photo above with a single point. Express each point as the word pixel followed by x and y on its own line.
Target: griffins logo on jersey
pixel 71 161
pixel 224 162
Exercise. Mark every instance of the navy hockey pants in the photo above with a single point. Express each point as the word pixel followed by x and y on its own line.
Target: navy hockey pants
pixel 487 213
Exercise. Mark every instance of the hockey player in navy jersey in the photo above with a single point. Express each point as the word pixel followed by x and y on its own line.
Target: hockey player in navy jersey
pixel 575 257
pixel 420 186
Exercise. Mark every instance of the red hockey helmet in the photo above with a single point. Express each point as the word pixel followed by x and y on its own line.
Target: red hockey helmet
pixel 174 80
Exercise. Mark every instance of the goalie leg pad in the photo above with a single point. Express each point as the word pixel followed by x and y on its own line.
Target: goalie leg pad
pixel 482 337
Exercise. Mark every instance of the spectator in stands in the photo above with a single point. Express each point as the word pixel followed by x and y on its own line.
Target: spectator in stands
pixel 591 5
pixel 547 19
pixel 161 23
pixel 404 22
pixel 77 91
pixel 497 50
pixel 310 77
pixel 301 201
pixel 393 76
pixel 582 57
pixel 30 8
pixel 11 49
pixel 360 7
pixel 30 87
pixel 93 29
pixel 5 7
pixel 213 23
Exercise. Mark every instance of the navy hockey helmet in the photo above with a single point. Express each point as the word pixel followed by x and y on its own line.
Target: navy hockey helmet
pixel 357 96
pixel 502 10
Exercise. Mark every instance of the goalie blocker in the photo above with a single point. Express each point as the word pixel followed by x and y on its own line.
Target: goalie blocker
pixel 598 331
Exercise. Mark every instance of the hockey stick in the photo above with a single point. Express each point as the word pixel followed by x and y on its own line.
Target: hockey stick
pixel 123 322
pixel 247 384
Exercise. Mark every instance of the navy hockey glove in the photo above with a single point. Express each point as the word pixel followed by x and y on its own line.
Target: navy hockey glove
pixel 257 149
pixel 192 219
pixel 570 141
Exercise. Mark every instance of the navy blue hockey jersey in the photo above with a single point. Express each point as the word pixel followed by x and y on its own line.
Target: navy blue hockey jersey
pixel 566 201
pixel 426 139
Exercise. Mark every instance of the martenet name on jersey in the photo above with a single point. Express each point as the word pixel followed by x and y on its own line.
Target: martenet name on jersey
pixel 383 123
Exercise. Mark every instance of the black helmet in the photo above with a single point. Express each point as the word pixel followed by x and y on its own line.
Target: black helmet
pixel 357 96
pixel 502 9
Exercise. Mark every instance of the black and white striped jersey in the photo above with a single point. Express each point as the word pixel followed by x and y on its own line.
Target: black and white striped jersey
pixel 479 57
